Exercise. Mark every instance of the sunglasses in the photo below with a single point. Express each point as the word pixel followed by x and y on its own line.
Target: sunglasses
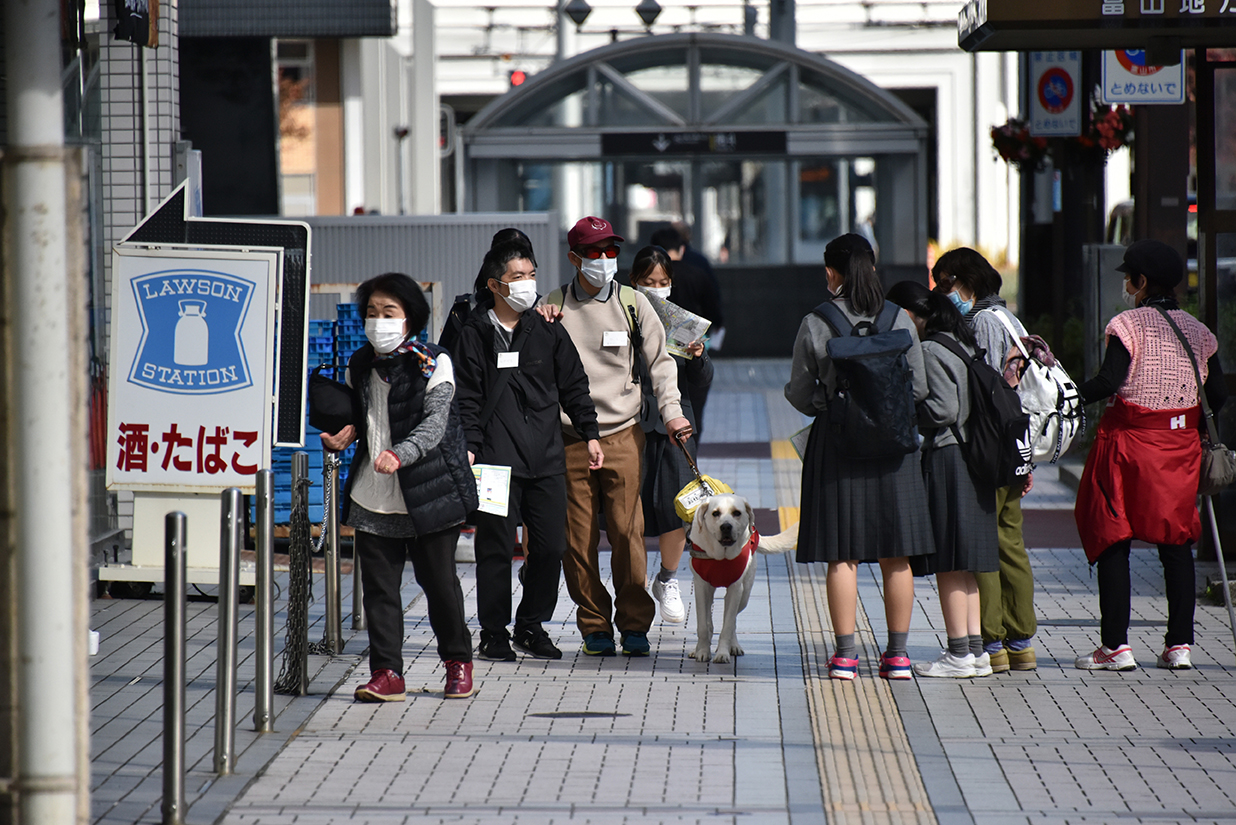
pixel 592 253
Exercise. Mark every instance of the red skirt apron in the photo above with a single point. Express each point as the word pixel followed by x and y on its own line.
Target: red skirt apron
pixel 1141 478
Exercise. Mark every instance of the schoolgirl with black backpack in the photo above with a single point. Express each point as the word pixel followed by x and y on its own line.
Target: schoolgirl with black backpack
pixel 863 498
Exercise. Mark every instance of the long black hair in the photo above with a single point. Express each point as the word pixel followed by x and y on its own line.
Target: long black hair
pixel 404 290
pixel 648 259
pixel 852 257
pixel 935 309
pixel 968 268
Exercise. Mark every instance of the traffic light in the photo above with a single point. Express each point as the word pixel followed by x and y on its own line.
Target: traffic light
pixel 517 77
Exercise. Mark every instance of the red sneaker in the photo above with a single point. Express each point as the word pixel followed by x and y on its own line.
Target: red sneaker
pixel 384 686
pixel 458 680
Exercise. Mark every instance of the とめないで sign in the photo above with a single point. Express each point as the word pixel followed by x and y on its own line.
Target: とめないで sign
pixel 191 368
pixel 1055 99
pixel 1130 78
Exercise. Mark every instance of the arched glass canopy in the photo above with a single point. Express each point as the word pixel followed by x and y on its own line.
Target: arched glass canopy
pixel 768 151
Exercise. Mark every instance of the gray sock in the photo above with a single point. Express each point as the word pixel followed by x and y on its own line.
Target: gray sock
pixel 665 575
pixel 896 643
pixel 976 645
pixel 846 648
pixel 959 647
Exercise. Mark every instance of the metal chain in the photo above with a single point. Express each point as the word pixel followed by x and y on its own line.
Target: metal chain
pixel 300 591
pixel 331 462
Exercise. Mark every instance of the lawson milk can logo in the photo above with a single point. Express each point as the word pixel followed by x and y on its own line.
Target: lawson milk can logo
pixel 191 322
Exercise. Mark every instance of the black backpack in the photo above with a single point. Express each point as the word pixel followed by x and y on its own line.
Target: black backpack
pixel 1000 448
pixel 455 319
pixel 872 415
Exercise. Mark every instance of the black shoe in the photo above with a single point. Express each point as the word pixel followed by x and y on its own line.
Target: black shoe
pixel 495 647
pixel 536 643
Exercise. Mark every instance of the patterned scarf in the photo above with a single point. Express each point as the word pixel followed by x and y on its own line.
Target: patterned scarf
pixel 422 353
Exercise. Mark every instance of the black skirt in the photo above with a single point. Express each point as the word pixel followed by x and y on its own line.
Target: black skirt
pixel 860 510
pixel 666 472
pixel 963 517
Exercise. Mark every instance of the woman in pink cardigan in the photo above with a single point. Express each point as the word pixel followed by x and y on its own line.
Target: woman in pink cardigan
pixel 1141 476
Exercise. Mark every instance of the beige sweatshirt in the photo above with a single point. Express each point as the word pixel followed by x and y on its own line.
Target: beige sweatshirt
pixel 608 364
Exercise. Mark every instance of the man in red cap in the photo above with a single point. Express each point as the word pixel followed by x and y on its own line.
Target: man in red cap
pixel 609 324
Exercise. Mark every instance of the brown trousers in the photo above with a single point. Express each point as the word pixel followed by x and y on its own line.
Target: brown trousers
pixel 616 489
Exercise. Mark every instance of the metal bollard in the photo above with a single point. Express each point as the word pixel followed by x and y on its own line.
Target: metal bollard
pixel 225 679
pixel 264 624
pixel 300 495
pixel 330 545
pixel 358 592
pixel 174 555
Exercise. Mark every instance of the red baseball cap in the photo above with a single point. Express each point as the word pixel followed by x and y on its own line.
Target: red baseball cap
pixel 591 231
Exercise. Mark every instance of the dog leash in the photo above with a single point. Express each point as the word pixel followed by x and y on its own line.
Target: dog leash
pixel 682 444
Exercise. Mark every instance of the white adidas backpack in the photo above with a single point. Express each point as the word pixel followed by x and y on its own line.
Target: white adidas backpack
pixel 1051 399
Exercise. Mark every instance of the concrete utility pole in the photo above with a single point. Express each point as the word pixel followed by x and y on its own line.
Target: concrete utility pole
pixel 47 374
pixel 426 124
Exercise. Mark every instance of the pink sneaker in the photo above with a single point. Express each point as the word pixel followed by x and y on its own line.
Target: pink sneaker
pixel 895 667
pixel 839 668
pixel 384 686
pixel 458 680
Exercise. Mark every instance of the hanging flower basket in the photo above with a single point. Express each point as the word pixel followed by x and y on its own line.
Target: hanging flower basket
pixel 1111 127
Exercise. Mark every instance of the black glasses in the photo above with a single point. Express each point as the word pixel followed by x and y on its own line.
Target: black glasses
pixel 592 252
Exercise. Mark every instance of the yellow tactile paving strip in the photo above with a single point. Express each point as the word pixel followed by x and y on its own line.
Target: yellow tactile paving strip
pixel 867 770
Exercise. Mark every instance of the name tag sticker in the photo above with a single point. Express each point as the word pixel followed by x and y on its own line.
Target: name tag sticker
pixel 508 360
pixel 614 338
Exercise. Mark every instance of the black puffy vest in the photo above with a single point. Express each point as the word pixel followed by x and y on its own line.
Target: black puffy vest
pixel 439 490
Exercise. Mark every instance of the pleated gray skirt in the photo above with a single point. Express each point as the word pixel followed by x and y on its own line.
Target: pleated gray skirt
pixel 963 517
pixel 860 510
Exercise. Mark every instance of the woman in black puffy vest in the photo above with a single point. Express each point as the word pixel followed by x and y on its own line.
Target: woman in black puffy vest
pixel 410 486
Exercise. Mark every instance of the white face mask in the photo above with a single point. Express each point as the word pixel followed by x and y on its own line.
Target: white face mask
pixel 384 333
pixel 599 271
pixel 523 295
pixel 662 292
pixel 1130 300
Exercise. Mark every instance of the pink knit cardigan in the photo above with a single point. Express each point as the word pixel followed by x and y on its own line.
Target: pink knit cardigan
pixel 1160 375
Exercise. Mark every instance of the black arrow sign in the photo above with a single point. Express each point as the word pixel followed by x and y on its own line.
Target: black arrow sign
pixel 169 224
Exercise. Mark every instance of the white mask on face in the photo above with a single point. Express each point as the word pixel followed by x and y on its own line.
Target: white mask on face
pixel 1130 300
pixel 523 295
pixel 662 292
pixel 599 271
pixel 384 333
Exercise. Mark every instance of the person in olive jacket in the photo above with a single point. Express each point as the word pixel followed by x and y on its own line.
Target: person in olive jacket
pixel 514 371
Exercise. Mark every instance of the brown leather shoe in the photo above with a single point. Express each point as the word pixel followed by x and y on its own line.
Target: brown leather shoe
pixel 384 686
pixel 1000 661
pixel 1022 659
pixel 458 680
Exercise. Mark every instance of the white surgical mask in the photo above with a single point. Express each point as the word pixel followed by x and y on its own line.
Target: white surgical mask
pixel 599 271
pixel 523 295
pixel 384 333
pixel 1130 299
pixel 662 292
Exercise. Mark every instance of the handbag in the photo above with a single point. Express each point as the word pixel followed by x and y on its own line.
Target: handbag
pixel 330 402
pixel 1218 462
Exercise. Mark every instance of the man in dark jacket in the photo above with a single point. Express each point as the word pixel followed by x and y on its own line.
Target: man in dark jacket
pixel 514 370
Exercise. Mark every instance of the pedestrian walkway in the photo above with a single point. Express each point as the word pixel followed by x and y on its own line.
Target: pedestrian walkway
pixel 766 739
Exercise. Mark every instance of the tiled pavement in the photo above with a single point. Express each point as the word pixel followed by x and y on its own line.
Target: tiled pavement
pixel 666 739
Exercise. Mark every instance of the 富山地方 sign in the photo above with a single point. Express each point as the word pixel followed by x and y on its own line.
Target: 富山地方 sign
pixel 191 368
pixel 1011 25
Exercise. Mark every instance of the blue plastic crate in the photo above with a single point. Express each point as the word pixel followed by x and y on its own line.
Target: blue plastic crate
pixel 321 326
pixel 346 311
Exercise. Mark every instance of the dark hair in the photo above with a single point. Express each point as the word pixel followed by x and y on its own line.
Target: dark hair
pixel 937 311
pixel 648 259
pixel 496 260
pixel 511 234
pixel 667 238
pixel 852 257
pixel 968 268
pixel 404 290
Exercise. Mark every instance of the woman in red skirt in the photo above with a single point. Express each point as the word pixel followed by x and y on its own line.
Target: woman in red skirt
pixel 1141 476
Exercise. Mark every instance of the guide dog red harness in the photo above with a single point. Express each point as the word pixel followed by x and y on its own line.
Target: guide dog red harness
pixel 723 572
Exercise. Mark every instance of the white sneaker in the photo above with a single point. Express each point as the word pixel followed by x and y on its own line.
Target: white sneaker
pixel 949 666
pixel 1175 657
pixel 982 665
pixel 1104 658
pixel 670 597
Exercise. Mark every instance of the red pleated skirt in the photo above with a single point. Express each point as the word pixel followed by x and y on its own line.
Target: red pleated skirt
pixel 1141 478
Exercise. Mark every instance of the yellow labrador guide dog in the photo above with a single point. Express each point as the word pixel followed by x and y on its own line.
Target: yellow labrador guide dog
pixel 723 546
